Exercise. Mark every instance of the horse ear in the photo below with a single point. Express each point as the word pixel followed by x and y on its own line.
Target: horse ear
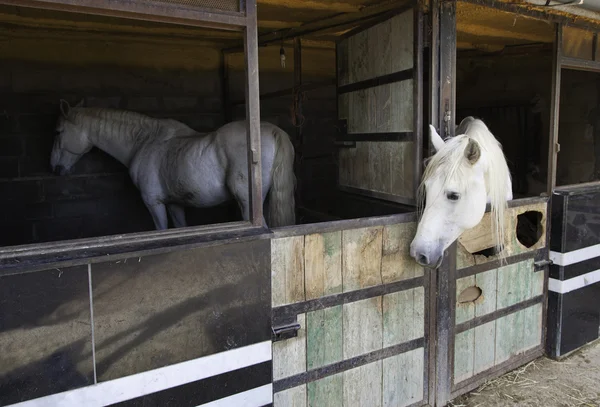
pixel 435 138
pixel 80 103
pixel 65 108
pixel 472 152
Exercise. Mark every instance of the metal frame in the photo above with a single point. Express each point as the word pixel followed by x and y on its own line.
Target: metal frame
pixel 37 256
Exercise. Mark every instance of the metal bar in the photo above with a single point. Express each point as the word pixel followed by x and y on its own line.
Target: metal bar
pixel 484 319
pixel 142 10
pixel 50 256
pixel 347 364
pixel 434 70
pixel 398 136
pixel 289 91
pixel 446 274
pixel 580 64
pixel 253 116
pixel 377 81
pixel 553 145
pixel 287 312
pixel 338 225
pixel 418 98
pixel 539 254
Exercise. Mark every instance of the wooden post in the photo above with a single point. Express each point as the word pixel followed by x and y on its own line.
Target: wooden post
pixel 253 114
pixel 418 97
pixel 299 144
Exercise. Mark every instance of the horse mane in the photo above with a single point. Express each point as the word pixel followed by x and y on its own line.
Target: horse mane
pixel 116 119
pixel 449 163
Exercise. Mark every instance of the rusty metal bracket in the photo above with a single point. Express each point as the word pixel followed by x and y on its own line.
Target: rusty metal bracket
pixel 283 332
pixel 539 265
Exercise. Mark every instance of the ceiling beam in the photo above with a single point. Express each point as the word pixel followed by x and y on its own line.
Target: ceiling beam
pixel 333 6
pixel 339 22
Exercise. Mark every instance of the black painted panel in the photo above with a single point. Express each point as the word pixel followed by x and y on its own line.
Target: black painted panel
pixel 45 334
pixel 582 227
pixel 158 310
pixel 580 318
pixel 557 219
pixel 575 269
pixel 554 324
pixel 207 390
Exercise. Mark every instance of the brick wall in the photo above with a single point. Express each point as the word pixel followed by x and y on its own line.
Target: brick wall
pixel 98 198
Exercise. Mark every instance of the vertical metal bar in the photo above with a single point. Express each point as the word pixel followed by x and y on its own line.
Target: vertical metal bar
pixel 434 69
pixel 418 97
pixel 253 114
pixel 553 141
pixel 446 274
pixel 299 144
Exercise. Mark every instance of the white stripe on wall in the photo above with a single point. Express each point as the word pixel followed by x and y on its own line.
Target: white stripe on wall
pixel 152 381
pixel 251 398
pixel 574 283
pixel 576 256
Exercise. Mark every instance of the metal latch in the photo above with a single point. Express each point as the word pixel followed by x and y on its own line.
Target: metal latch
pixel 286 331
pixel 539 265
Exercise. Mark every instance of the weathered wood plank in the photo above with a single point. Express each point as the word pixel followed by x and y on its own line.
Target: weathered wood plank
pixel 396 263
pixel 323 264
pixel 289 356
pixel 532 326
pixel 487 282
pixel 403 317
pixel 324 337
pixel 403 379
pixel 361 251
pixel 464 354
pixel 464 311
pixel 328 391
pixel 287 268
pixel 485 347
pixel 402 38
pixel 505 334
pixel 362 327
pixel 294 397
pixel 363 386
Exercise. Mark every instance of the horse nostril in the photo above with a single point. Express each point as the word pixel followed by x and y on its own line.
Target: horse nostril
pixel 423 260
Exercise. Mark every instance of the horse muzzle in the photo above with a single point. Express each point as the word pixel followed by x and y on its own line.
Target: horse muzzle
pixel 430 257
pixel 59 170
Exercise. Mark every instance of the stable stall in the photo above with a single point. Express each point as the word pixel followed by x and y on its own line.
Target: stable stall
pixel 330 311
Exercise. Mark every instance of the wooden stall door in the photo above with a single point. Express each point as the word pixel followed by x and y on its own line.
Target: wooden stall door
pixel 361 303
pixel 376 107
pixel 499 307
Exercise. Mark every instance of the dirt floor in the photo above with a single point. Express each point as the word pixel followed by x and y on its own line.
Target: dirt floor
pixel 571 382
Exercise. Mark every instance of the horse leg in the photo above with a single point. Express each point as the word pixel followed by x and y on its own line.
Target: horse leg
pixel 177 213
pixel 159 215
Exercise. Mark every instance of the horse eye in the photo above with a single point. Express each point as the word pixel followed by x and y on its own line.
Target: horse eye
pixel 453 196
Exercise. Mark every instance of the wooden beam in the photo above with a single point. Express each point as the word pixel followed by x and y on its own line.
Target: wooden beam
pixel 333 6
pixel 339 22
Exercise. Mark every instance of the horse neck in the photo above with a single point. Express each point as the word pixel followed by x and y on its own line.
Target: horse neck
pixel 120 134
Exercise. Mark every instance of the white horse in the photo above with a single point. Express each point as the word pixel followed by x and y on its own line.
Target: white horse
pixel 467 172
pixel 173 165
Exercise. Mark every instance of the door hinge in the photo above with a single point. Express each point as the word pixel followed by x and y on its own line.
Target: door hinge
pixel 285 331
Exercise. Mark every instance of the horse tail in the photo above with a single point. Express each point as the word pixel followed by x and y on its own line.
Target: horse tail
pixel 281 206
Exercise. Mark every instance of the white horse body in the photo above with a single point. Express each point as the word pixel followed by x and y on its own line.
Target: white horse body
pixel 172 165
pixel 467 171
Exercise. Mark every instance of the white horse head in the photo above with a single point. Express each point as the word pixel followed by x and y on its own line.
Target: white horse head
pixel 71 141
pixel 466 172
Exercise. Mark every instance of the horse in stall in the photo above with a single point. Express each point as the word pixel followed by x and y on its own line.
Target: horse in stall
pixel 466 172
pixel 174 166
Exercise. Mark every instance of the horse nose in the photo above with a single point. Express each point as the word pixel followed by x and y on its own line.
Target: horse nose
pixel 422 259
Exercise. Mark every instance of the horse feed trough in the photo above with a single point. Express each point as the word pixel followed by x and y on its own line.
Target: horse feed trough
pixel 101 305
